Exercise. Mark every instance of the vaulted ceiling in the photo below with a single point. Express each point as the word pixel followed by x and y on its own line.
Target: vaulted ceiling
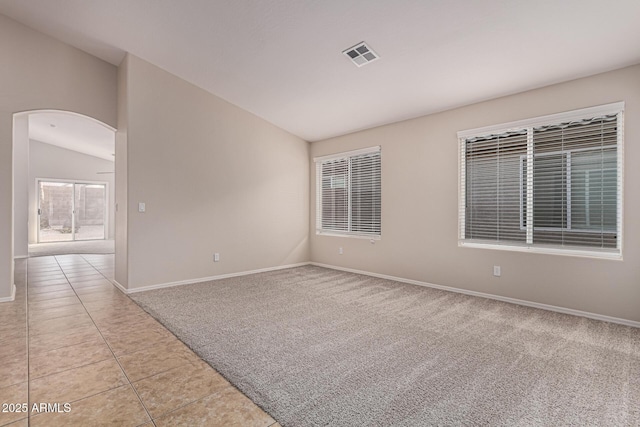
pixel 282 59
pixel 73 132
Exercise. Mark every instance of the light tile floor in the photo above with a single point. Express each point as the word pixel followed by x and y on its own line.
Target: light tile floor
pixel 72 337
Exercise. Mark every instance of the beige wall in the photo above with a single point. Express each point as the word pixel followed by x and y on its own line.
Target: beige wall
pixel 21 186
pixel 50 162
pixel 39 72
pixel 121 236
pixel 214 178
pixel 420 206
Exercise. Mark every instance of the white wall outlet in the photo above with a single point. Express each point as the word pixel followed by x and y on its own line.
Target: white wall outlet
pixel 216 257
pixel 142 208
pixel 497 271
pixel 340 251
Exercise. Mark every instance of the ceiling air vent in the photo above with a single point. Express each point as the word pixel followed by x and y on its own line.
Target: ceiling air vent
pixel 361 54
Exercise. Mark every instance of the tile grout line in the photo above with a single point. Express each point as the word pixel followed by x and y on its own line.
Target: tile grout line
pixel 96 269
pixel 61 268
pixel 108 345
pixel 198 400
pixel 26 302
pixel 105 340
pixel 29 335
pixel 196 354
pixel 153 420
pixel 70 369
pixel 110 349
pixel 161 372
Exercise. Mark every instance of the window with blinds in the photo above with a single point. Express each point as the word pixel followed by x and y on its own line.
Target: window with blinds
pixel 551 183
pixel 348 193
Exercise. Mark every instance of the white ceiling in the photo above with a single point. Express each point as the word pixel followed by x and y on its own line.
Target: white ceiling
pixel 282 60
pixel 73 132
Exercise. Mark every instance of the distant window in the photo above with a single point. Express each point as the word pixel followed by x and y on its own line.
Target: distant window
pixel 348 193
pixel 553 182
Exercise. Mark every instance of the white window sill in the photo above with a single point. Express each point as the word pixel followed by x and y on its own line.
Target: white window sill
pixel 351 235
pixel 544 250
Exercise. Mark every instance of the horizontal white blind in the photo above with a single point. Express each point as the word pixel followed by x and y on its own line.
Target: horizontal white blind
pixel 493 182
pixel 349 193
pixel 575 183
pixel 557 184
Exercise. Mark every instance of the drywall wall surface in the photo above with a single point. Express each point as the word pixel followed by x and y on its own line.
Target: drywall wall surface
pixel 48 162
pixel 39 72
pixel 214 179
pixel 420 206
pixel 21 186
pixel 121 243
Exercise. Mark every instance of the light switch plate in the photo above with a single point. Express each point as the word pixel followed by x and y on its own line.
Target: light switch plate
pixel 141 207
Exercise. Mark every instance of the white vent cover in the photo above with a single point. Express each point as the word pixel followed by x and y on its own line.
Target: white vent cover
pixel 361 54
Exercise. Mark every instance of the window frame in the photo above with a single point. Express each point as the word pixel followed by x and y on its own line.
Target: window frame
pixel 347 155
pixel 567 159
pixel 528 125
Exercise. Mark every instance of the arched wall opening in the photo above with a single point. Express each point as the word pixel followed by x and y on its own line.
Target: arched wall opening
pixel 70 149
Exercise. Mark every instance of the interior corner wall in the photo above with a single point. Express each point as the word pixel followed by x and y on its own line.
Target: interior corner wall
pixel 21 186
pixel 42 73
pixel 214 178
pixel 420 206
pixel 121 207
pixel 47 161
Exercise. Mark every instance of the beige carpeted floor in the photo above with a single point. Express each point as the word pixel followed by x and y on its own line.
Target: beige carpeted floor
pixel 79 247
pixel 318 347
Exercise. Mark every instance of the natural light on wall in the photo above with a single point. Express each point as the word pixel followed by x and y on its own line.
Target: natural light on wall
pixel 549 184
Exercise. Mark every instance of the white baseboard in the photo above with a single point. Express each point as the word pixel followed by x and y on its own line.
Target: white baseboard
pixel 548 307
pixel 206 279
pixel 11 297
pixel 119 286
pixel 20 256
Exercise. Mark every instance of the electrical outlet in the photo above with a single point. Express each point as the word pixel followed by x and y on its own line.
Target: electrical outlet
pixel 142 208
pixel 216 257
pixel 340 251
pixel 497 271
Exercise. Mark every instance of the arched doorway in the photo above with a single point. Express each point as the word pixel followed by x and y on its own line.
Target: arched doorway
pixel 64 184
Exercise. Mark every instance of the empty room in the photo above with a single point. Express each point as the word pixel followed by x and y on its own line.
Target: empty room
pixel 292 213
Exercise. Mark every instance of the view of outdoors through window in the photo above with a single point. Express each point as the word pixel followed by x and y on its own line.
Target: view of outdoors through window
pixel 71 211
